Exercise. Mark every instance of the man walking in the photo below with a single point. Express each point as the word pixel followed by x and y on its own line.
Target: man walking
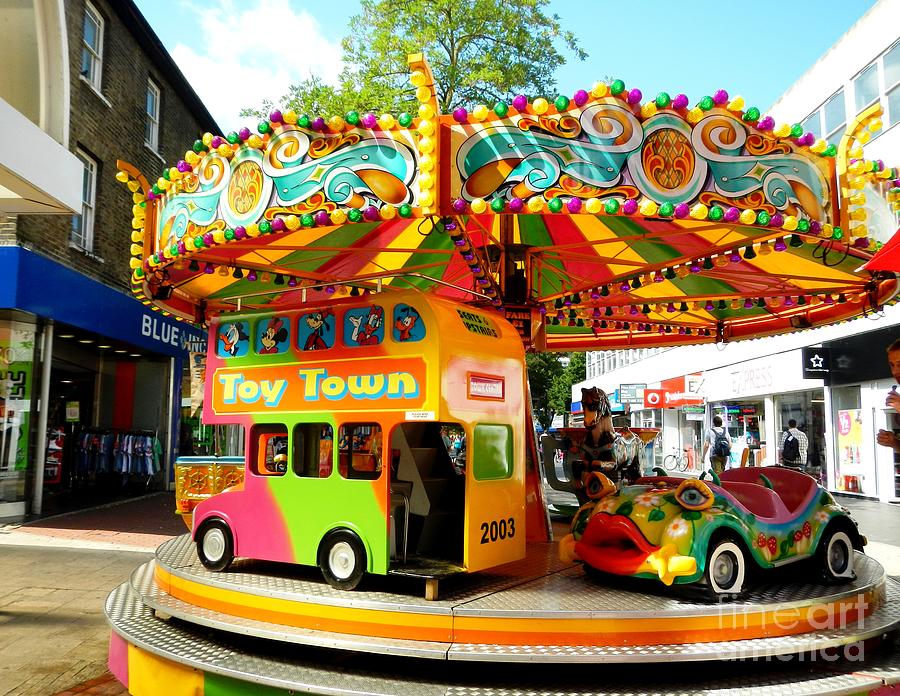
pixel 793 446
pixel 718 444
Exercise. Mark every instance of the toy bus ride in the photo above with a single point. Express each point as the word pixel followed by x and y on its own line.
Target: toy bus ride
pixel 344 408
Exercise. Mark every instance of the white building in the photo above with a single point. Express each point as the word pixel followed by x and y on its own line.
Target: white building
pixel 759 385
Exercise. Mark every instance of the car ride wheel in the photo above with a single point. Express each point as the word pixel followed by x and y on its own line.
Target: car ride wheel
pixel 342 559
pixel 215 545
pixel 726 568
pixel 835 555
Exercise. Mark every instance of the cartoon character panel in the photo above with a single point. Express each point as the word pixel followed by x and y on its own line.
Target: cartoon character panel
pixel 316 330
pixel 364 326
pixel 233 339
pixel 272 335
pixel 408 326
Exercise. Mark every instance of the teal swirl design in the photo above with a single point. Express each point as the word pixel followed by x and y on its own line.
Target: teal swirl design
pixel 200 207
pixel 537 159
pixel 785 179
pixel 379 169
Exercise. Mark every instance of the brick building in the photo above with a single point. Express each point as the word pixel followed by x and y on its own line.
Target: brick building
pixel 89 83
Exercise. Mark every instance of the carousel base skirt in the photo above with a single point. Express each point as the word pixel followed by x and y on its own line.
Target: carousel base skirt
pixel 281 626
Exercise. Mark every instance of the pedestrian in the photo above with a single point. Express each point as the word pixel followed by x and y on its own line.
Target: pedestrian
pixel 793 447
pixel 718 444
pixel 886 437
pixel 445 438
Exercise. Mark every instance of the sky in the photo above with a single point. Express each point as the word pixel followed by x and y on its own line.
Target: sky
pixel 237 53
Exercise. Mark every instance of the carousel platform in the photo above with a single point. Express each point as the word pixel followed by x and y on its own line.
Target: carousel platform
pixel 282 626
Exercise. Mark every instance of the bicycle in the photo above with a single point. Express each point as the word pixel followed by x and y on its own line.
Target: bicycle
pixel 677 461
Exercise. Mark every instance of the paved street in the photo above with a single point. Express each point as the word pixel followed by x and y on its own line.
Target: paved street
pixel 58 571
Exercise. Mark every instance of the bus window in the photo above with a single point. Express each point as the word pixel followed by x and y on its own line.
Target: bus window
pixel 492 452
pixel 408 326
pixel 364 326
pixel 316 330
pixel 269 450
pixel 272 335
pixel 233 339
pixel 313 450
pixel 359 447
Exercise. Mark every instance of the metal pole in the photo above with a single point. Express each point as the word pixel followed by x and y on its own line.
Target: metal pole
pixel 43 409
pixel 174 412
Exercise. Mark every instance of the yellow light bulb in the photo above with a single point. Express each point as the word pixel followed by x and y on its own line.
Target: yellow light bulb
pixel 699 211
pixel 648 208
pixel 782 131
pixel 426 180
pixel 122 177
pixel 736 104
pixel 290 117
pixel 425 111
pixel 790 223
pixel 426 163
pixel 426 127
pixel 338 217
pixel 694 115
pixel 599 89
pixel 423 94
pixel 858 199
pixel 388 212
pixel 480 112
pixel 426 198
pixel 540 106
pixel 478 206
pixel 593 205
pixel 536 204
pixel 386 121
pixel 648 110
pixel 417 78
pixel 426 144
pixel 748 217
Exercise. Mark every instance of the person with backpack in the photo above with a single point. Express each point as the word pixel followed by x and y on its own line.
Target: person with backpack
pixel 793 446
pixel 718 444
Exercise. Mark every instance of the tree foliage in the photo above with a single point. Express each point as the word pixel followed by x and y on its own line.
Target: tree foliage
pixel 480 51
pixel 551 383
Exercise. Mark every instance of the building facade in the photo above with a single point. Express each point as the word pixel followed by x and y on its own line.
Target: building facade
pixel 92 378
pixel 832 380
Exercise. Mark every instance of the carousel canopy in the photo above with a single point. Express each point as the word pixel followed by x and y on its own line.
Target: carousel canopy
pixel 597 222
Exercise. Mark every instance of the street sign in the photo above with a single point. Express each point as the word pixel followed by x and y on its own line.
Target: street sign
pixel 632 393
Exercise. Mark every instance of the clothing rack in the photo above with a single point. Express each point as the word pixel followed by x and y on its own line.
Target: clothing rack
pixel 116 450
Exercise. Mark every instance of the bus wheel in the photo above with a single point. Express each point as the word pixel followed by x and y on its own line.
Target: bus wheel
pixel 342 559
pixel 215 547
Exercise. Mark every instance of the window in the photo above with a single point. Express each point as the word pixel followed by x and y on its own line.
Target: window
pixel 151 129
pixel 865 87
pixel 92 46
pixel 492 455
pixel 835 117
pixel 313 450
pixel 359 448
pixel 892 84
pixel 812 125
pixel 269 445
pixel 83 225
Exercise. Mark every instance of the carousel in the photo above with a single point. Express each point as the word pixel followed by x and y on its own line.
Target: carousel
pixel 597 222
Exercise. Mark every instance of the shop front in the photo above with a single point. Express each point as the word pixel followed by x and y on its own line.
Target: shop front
pixel 108 370
pixel 859 381
pixel 756 399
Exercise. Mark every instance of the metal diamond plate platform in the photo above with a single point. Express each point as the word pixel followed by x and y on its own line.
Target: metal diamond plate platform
pixel 320 671
pixel 537 587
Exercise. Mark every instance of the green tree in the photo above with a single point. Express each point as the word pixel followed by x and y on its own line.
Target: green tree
pixel 480 51
pixel 561 392
pixel 550 377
